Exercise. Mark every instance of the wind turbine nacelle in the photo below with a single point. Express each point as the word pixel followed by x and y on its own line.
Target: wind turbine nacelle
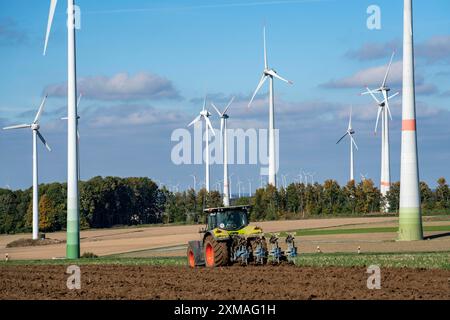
pixel 351 131
pixel 35 126
pixel 205 113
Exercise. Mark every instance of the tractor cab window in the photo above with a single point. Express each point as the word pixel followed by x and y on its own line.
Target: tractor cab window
pixel 231 220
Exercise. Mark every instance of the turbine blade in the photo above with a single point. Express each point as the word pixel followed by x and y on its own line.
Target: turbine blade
pixel 217 110
pixel 204 103
pixel 261 82
pixel 229 104
pixel 51 14
pixel 209 125
pixel 195 120
pixel 43 140
pixel 222 125
pixel 342 137
pixel 20 126
pixel 41 109
pixel 354 143
pixel 350 119
pixel 265 49
pixel 274 74
pixel 378 117
pixel 388 69
pixel 79 99
pixel 372 94
pixel 394 95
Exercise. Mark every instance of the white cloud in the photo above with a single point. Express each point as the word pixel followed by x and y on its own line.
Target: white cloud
pixel 121 86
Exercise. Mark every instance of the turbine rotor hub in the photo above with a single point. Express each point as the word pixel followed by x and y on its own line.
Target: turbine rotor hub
pixel 35 126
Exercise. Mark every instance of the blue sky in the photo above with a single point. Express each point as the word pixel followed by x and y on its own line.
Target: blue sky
pixel 144 67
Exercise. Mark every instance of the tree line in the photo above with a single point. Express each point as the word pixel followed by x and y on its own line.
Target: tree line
pixel 112 201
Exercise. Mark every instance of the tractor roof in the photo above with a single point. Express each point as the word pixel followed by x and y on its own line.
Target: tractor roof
pixel 223 209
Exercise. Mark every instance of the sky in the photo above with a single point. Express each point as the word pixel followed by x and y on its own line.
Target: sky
pixel 144 67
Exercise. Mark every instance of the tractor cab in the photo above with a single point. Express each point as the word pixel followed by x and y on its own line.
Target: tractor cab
pixel 227 218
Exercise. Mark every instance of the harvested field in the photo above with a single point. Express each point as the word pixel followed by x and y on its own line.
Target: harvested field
pixel 176 282
pixel 154 240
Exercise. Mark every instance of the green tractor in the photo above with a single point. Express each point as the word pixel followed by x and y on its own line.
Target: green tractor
pixel 228 238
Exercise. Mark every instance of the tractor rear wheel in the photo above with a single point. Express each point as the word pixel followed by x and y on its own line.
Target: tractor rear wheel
pixel 216 252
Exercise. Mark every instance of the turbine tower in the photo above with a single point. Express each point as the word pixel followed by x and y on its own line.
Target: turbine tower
pixel 350 132
pixel 34 126
pixel 73 198
pixel 410 217
pixel 205 115
pixel 78 138
pixel 224 142
pixel 269 73
pixel 385 112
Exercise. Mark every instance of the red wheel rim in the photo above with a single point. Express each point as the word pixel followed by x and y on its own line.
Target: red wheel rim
pixel 191 259
pixel 209 253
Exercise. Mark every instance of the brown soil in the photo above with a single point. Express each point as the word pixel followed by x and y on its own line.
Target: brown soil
pixel 32 243
pixel 169 282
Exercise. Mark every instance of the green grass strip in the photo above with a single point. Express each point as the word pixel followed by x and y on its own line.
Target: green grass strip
pixel 152 261
pixel 317 232
pixel 432 260
pixel 427 260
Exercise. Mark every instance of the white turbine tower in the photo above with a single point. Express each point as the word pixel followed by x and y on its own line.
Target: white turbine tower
pixel 350 132
pixel 410 216
pixel 205 115
pixel 73 199
pixel 269 73
pixel 34 126
pixel 385 112
pixel 78 137
pixel 224 142
pixel 195 181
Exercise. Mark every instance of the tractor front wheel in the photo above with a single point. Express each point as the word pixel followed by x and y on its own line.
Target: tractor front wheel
pixel 191 257
pixel 216 252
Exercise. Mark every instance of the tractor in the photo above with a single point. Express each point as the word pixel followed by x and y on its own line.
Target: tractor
pixel 228 238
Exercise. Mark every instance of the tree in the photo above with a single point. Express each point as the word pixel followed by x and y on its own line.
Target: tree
pixel 442 195
pixel 393 197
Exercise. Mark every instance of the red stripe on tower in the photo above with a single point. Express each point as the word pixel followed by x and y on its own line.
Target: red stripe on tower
pixel 409 125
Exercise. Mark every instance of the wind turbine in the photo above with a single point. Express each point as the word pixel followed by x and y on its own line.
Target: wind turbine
pixel 224 142
pixel 195 181
pixel 270 74
pixel 410 216
pixel 305 176
pixel 231 184
pixel 312 177
pixel 34 126
pixel 350 132
pixel 249 187
pixel 385 112
pixel 239 183
pixel 204 114
pixel 284 180
pixel 73 198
